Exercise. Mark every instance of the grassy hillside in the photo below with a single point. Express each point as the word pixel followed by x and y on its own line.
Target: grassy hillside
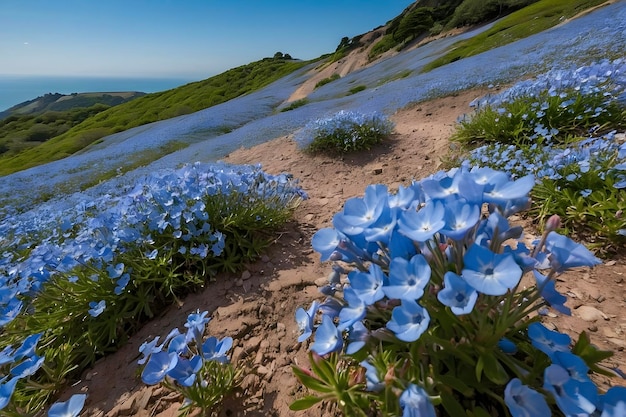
pixel 151 108
pixel 535 18
pixel 430 17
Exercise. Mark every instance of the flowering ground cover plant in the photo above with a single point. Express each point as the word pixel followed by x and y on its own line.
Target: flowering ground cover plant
pixel 434 307
pixel 343 132
pixel 562 127
pixel 81 280
pixel 197 368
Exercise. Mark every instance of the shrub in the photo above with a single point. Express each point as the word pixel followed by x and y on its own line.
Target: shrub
pixel 295 105
pixel 327 80
pixel 425 313
pixel 343 132
pixel 357 89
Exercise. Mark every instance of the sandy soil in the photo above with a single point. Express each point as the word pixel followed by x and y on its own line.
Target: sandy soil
pixel 257 307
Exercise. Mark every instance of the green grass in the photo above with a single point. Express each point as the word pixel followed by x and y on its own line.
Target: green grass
pixel 520 24
pixel 356 89
pixel 327 80
pixel 295 105
pixel 151 108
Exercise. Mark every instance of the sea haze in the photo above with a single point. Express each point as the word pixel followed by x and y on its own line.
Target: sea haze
pixel 16 89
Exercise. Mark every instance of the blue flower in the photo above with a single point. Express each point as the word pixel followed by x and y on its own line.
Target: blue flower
pixel 502 192
pixel 566 254
pixel 457 294
pixel 306 319
pixel 69 408
pixel 28 347
pixel 357 336
pixel 408 321
pixel 196 324
pixel 547 340
pixel 407 279
pixel 460 217
pixel 327 338
pixel 148 348
pixel 613 403
pixel 372 380
pixel 185 370
pixel 353 312
pixel 523 401
pixel 572 397
pixel 325 242
pixel 28 367
pixel 507 346
pixel 178 344
pixel 158 366
pixel 6 391
pixel 549 293
pixel 416 403
pixel 97 308
pixel 490 273
pixel 215 350
pixel 363 212
pixel 423 224
pixel 368 285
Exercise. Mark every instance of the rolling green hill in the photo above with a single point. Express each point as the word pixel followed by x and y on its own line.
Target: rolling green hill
pixel 151 108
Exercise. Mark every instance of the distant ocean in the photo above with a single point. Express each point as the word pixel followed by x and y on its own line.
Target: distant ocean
pixel 16 89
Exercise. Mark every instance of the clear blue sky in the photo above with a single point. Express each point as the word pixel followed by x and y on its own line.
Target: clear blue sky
pixel 174 38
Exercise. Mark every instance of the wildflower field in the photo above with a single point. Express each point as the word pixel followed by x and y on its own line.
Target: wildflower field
pixel 435 303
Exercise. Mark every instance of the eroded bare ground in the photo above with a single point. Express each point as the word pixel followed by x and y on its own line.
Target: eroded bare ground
pixel 257 307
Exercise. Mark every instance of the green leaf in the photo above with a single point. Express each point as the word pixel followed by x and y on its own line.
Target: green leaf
pixel 304 403
pixel 456 384
pixel 310 381
pixel 480 412
pixel 479 368
pixel 591 354
pixel 494 370
pixel 452 406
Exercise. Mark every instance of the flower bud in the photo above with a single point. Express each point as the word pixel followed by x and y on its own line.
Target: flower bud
pixel 553 223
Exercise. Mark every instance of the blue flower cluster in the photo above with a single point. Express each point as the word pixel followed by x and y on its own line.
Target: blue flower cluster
pixel 23 362
pixel 442 244
pixel 169 203
pixel 607 78
pixel 183 358
pixel 165 213
pixel 350 127
pixel 16 364
pixel 604 154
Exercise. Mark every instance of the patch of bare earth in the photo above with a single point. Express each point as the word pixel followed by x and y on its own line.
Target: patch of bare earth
pixel 257 307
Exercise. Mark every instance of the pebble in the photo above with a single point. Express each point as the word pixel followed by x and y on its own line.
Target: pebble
pixel 589 313
pixel 246 275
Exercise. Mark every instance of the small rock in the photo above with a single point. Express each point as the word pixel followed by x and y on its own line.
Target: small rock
pixel 377 171
pixel 320 282
pixel 263 370
pixel 265 259
pixel 610 263
pixel 309 217
pixel 589 313
pixel 90 375
pixel 239 282
pixel 280 327
pixel 246 275
pixel 593 328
